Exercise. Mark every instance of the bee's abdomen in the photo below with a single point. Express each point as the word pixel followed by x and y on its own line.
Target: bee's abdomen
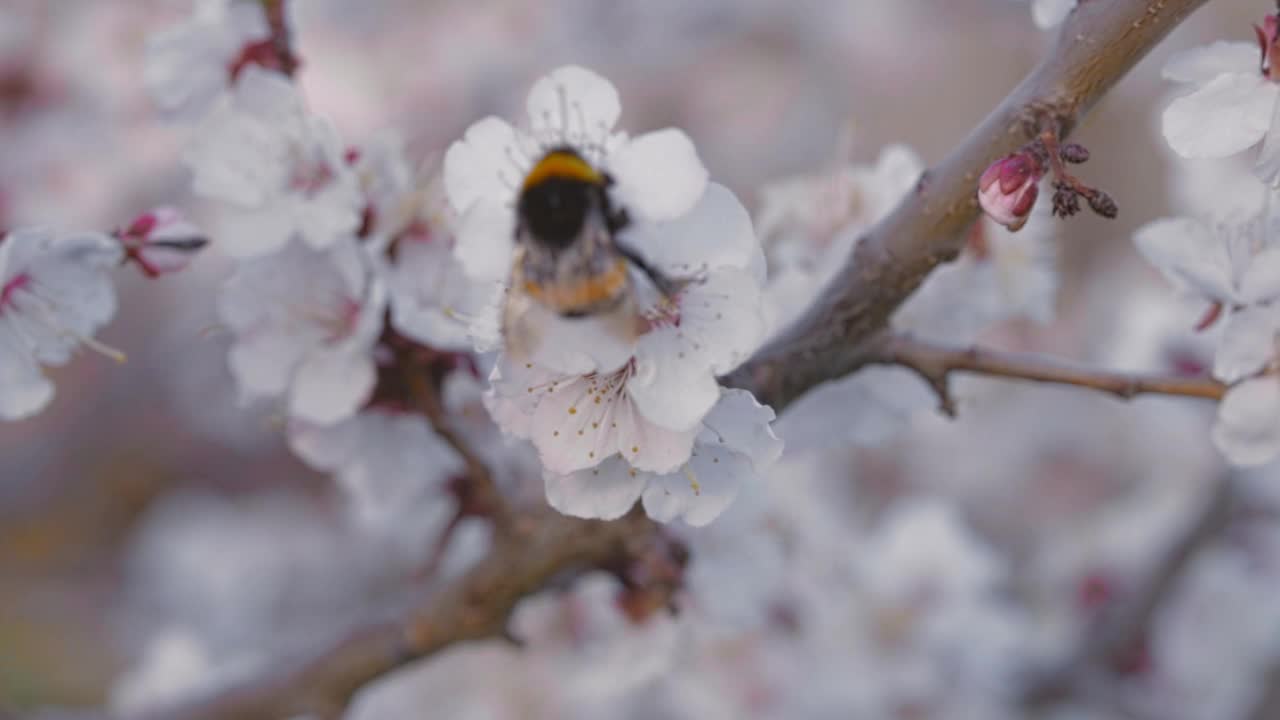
pixel 585 295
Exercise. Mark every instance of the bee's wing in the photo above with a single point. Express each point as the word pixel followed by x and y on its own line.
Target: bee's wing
pixel 534 333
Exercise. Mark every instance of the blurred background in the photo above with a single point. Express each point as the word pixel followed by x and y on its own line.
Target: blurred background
pixel 148 496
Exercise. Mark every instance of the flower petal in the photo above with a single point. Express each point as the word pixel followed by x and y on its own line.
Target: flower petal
pixel 575 425
pixel 1248 343
pixel 1248 427
pixel 1048 13
pixel 648 446
pixel 332 385
pixel 1202 64
pixel 701 490
pixel 1188 255
pixel 721 319
pixel 740 423
pixel 673 385
pixel 658 175
pixel 1229 114
pixel 24 390
pixel 485 239
pixel 715 233
pixel 574 105
pixel 1261 280
pixel 1267 167
pixel 606 492
pixel 482 166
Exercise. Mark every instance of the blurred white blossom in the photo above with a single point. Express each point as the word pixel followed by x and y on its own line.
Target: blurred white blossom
pixel 55 293
pixel 189 66
pixel 305 322
pixel 282 171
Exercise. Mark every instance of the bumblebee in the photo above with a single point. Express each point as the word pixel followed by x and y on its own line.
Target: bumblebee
pixel 568 260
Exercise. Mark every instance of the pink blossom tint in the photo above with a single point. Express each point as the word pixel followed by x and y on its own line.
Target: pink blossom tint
pixel 1008 189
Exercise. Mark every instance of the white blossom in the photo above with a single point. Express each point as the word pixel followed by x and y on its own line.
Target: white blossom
pixel 305 322
pixel 281 170
pixel 189 66
pixel 432 299
pixel 391 465
pixel 55 293
pixel 1233 268
pixel 1232 104
pixel 733 445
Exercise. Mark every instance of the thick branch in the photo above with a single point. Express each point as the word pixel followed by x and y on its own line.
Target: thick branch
pixel 1096 46
pixel 935 363
pixel 474 606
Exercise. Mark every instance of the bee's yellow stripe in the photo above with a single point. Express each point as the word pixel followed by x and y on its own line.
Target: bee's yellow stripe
pixel 583 294
pixel 562 164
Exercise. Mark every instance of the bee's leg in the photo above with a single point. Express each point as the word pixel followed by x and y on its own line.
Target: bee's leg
pixel 666 284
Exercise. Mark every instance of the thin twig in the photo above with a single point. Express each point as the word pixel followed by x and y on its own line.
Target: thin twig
pixel 935 363
pixel 485 492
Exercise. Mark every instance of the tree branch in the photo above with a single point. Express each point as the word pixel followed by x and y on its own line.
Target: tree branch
pixel 1097 44
pixel 935 363
pixel 475 606
pixel 1118 633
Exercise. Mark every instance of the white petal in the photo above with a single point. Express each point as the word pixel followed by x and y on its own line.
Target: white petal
pixel 673 385
pixel 715 233
pixel 1248 427
pixel 1202 64
pixel 658 175
pixel 432 299
pixel 1248 343
pixel 254 232
pixel 332 385
pixel 332 214
pixel 485 239
pixel 721 319
pixel 574 104
pixel 1048 13
pixel 606 492
pixel 574 346
pixel 575 425
pixel 1261 281
pixel 1188 255
pixel 1226 116
pixel 268 95
pixel 263 363
pixel 701 490
pixel 515 390
pixel 740 423
pixel 24 390
pixel 647 446
pixel 475 166
pixel 1267 167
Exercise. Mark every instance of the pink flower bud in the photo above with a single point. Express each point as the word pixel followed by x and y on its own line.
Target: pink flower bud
pixel 1267 34
pixel 1008 189
pixel 161 241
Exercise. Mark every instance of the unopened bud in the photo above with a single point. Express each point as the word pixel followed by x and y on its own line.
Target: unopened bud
pixel 1267 34
pixel 1074 153
pixel 1103 204
pixel 1008 189
pixel 161 241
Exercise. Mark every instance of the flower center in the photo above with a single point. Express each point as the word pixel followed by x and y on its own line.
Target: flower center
pixel 310 175
pixel 11 288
